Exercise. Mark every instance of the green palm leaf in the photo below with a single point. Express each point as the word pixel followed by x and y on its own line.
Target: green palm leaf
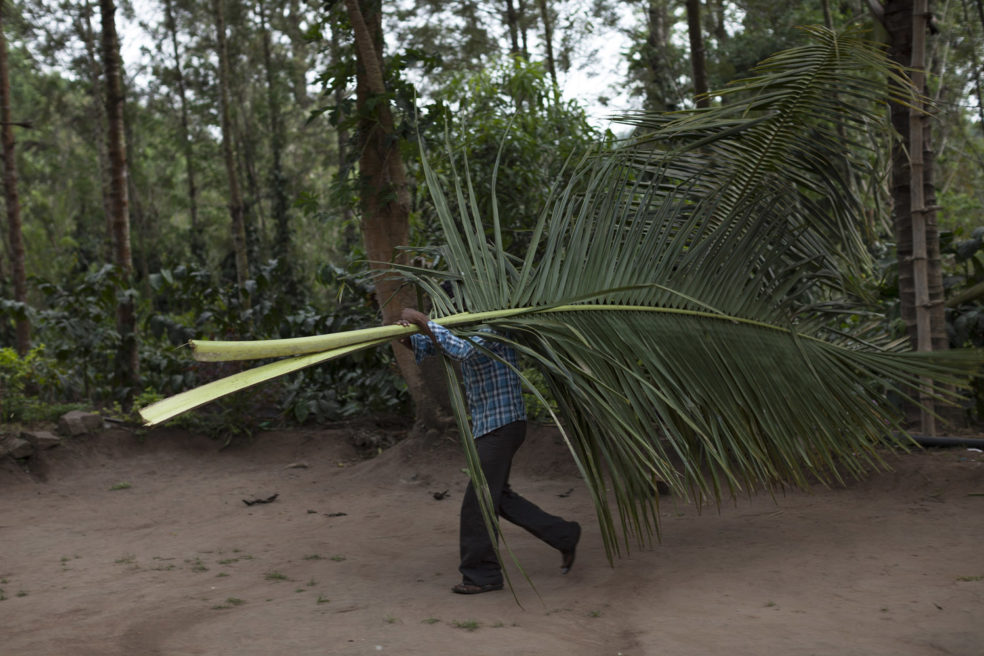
pixel 683 306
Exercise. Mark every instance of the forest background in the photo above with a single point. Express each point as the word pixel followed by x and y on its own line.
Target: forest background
pixel 221 191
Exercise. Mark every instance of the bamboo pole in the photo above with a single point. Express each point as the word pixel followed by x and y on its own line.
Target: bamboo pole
pixel 920 259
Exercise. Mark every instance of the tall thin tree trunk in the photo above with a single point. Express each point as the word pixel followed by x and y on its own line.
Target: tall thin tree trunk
pixel 917 234
pixel 548 39
pixel 976 63
pixel 719 30
pixel 918 209
pixel 254 219
pixel 99 127
pixel 236 209
pixel 15 234
pixel 661 91
pixel 141 230
pixel 383 192
pixel 278 181
pixel 342 137
pixel 197 239
pixel 523 31
pixel 697 56
pixel 512 23
pixel 127 362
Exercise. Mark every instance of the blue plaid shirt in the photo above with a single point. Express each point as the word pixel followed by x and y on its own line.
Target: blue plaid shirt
pixel 493 390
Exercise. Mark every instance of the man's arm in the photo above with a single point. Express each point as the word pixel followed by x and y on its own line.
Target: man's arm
pixel 408 317
pixel 442 339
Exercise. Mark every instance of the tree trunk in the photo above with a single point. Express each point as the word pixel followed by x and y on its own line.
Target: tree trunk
pixel 828 19
pixel 127 365
pixel 383 193
pixel 917 234
pixel 15 234
pixel 976 63
pixel 349 237
pixel 548 40
pixel 523 24
pixel 697 56
pixel 278 181
pixel 661 91
pixel 236 209
pixel 512 23
pixel 85 32
pixel 197 239
pixel 719 30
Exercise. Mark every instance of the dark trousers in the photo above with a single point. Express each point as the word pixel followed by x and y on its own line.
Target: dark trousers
pixel 478 561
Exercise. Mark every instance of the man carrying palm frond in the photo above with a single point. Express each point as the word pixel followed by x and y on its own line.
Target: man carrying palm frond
pixel 498 422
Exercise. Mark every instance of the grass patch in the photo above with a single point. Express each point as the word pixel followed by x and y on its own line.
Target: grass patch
pixel 197 565
pixel 430 620
pixel 968 579
pixel 323 599
pixel 275 576
pixel 338 558
pixel 122 485
pixel 313 557
pixel 467 625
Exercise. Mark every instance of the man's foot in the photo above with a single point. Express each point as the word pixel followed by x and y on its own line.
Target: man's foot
pixel 567 561
pixel 471 588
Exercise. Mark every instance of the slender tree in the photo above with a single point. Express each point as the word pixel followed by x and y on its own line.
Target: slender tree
pixel 914 217
pixel 237 210
pixel 83 28
pixel 278 180
pixel 698 58
pixel 15 234
pixel 197 241
pixel 383 193
pixel 655 62
pixel 512 24
pixel 548 39
pixel 126 321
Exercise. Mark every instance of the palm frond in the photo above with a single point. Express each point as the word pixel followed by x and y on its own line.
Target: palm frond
pixel 803 124
pixel 683 306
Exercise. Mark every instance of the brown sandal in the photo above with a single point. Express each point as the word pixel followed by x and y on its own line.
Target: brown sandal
pixel 471 588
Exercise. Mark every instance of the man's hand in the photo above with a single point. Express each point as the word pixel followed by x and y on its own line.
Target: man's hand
pixel 409 317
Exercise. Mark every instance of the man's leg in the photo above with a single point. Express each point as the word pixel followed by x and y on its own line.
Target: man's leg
pixel 555 531
pixel 479 565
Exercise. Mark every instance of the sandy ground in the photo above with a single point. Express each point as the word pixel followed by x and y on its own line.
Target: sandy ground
pixel 172 561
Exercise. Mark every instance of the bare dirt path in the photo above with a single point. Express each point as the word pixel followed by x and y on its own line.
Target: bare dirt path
pixel 141 546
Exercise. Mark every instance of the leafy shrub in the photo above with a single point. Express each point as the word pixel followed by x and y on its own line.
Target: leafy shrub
pixel 29 387
pixel 192 306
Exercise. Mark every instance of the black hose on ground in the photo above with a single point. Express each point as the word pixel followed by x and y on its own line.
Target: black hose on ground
pixel 929 440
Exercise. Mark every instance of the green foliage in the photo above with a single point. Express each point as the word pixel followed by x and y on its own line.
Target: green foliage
pixel 29 387
pixel 506 123
pixel 192 306
pixel 78 327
